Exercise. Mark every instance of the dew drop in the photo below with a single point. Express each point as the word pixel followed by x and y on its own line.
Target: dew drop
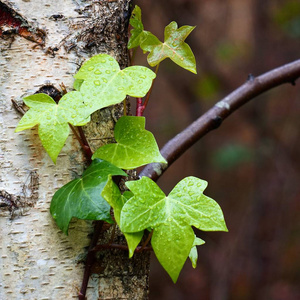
pixel 190 183
pixel 120 88
pixel 140 81
pixel 103 61
pixel 90 68
pixel 143 76
pixel 97 82
pixel 174 44
pixel 114 70
pixel 105 80
pixel 191 193
pixel 97 72
pixel 73 116
pixel 48 117
pixel 107 71
pixel 182 58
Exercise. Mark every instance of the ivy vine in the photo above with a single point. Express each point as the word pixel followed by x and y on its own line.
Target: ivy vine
pixel 100 83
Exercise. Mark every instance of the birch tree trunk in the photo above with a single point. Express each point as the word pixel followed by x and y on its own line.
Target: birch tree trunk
pixel 46 44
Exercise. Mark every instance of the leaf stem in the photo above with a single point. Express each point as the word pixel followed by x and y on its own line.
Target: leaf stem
pixel 132 56
pixel 150 91
pixel 146 242
pixel 140 106
pixel 83 142
pixel 124 107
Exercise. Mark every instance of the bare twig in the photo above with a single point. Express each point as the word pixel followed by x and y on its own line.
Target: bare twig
pixel 213 118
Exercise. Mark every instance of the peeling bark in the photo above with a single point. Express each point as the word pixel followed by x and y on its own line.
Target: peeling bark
pixel 37 260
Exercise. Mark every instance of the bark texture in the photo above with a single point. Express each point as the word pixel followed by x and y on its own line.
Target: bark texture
pixel 37 260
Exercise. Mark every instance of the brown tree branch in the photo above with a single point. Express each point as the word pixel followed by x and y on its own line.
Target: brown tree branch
pixel 213 118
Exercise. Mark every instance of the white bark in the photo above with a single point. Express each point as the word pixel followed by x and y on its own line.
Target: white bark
pixel 37 261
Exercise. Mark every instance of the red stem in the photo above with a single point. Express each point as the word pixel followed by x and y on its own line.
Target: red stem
pixel 83 142
pixel 139 107
pixel 90 259
pixel 146 242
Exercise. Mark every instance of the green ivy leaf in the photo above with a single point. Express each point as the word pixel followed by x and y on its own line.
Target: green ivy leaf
pixel 140 37
pixel 102 83
pixel 171 218
pixel 135 146
pixel 53 119
pixel 112 195
pixel 174 46
pixel 193 253
pixel 81 198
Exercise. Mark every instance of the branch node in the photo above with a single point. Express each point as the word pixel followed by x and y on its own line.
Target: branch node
pixel 250 77
pixel 217 121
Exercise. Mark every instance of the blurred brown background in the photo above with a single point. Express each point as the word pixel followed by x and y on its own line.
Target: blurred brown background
pixel 251 162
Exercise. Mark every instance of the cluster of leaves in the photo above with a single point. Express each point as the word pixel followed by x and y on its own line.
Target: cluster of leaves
pixel 173 46
pixel 144 207
pixel 100 83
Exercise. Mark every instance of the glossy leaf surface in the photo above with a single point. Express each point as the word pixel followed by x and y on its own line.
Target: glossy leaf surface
pixel 112 195
pixel 135 146
pixel 171 218
pixel 173 47
pixel 53 119
pixel 81 198
pixel 139 36
pixel 101 82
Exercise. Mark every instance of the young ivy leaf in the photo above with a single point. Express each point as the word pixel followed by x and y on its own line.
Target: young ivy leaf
pixel 171 218
pixel 81 198
pixel 174 46
pixel 139 36
pixel 102 83
pixel 135 146
pixel 53 119
pixel 193 253
pixel 112 195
